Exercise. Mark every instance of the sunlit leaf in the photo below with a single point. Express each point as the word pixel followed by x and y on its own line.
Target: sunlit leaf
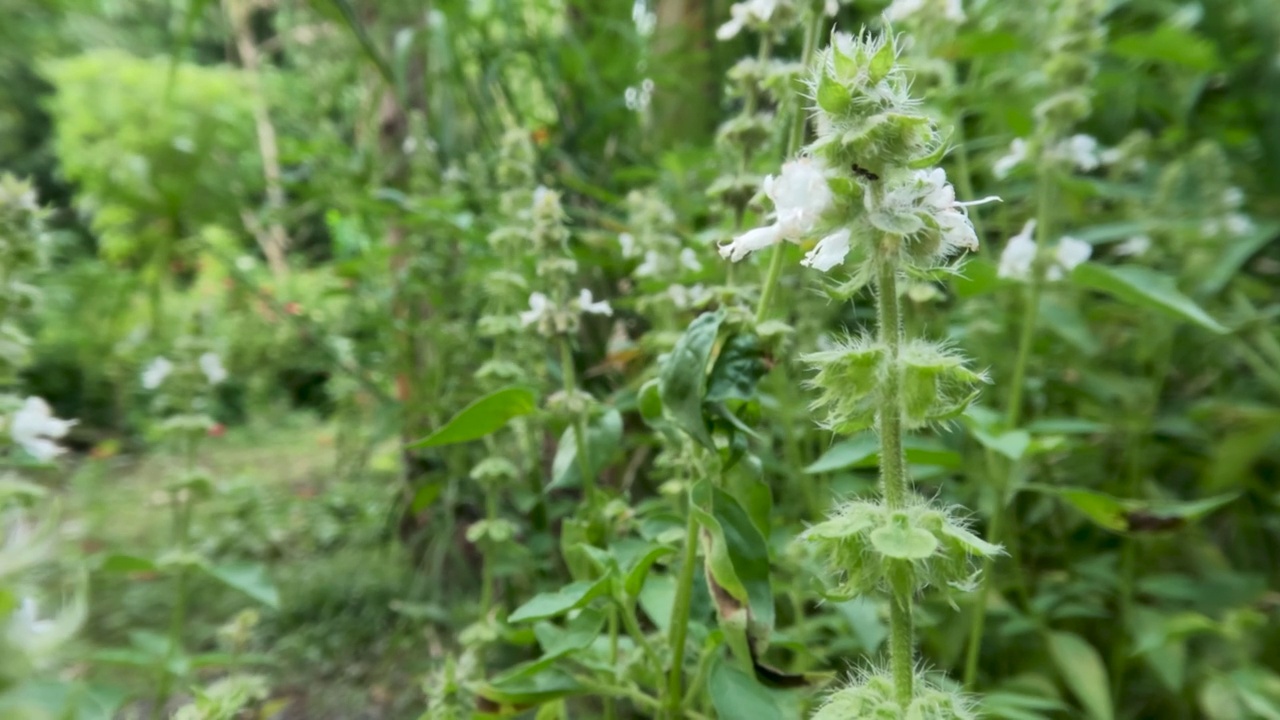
pixel 484 416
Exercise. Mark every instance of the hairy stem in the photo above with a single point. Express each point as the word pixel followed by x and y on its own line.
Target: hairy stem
pixel 579 423
pixel 893 467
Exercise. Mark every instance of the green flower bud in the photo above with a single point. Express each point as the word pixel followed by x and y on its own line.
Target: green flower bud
pixel 936 385
pixel 871 695
pixel 494 470
pixel 847 379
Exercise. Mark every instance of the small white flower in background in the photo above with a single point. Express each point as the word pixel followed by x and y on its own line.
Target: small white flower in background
pixel 1015 157
pixel 155 373
pixel 26 622
pixel 829 252
pixel 952 10
pixel 211 366
pixel 587 304
pixel 1239 224
pixel 1111 156
pixel 1233 197
pixel 689 259
pixel 688 297
pixel 644 20
pixel 748 12
pixel 628 243
pixel 800 196
pixel 35 428
pixel 1081 151
pixel 652 265
pixel 1134 246
pixel 539 306
pixel 1019 254
pixel 1069 253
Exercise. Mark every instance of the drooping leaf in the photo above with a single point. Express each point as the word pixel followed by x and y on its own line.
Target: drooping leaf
pixel 482 417
pixel 863 451
pixel 550 604
pixel 1081 668
pixel 739 558
pixel 604 440
pixel 1123 515
pixel 1012 444
pixel 1145 288
pixel 527 689
pixel 682 384
pixel 249 578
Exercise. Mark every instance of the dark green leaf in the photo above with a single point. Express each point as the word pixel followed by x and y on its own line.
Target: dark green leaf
pixel 1082 670
pixel 551 604
pixel 482 417
pixel 739 553
pixel 683 380
pixel 734 694
pixel 738 368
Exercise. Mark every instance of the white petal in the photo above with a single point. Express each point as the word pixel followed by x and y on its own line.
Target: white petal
pixel 586 304
pixel 1004 165
pixel 211 366
pixel 651 265
pixel 1071 252
pixel 1134 246
pixel 628 243
pixel 1019 254
pixel 829 252
pixel 689 259
pixel 750 241
pixel 729 30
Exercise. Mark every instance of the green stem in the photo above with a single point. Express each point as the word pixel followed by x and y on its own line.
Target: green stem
pixel 632 625
pixel 486 558
pixel 610 711
pixel 680 614
pixel 579 423
pixel 1001 471
pixel 177 618
pixel 893 468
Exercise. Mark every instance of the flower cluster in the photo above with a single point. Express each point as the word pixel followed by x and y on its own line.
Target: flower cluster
pixel 762 16
pixel 553 319
pixel 869 546
pixel 1021 255
pixel 871 695
pixel 34 428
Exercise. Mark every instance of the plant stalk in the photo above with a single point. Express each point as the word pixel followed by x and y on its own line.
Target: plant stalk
pixel 680 614
pixel 579 423
pixel 893 468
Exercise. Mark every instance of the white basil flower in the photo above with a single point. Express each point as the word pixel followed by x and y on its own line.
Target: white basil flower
pixel 587 305
pixel 651 267
pixel 748 12
pixel 628 243
pixel 951 11
pixel 211 366
pixel 34 428
pixel 1019 254
pixel 1069 253
pixel 1081 151
pixel 1015 157
pixel 539 306
pixel 1134 246
pixel 689 260
pixel 155 373
pixel 829 252
pixel 800 196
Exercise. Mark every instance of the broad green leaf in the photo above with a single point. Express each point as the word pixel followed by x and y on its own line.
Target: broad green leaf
pixel 604 439
pixel 1012 444
pixel 734 694
pixel 637 573
pixel 556 642
pixel 119 563
pixel 863 451
pixel 683 380
pixel 1146 288
pixel 551 604
pixel 533 687
pixel 1009 705
pixel 425 496
pixel 482 417
pixel 739 557
pixel 1135 515
pixel 1233 256
pixel 737 369
pixel 1082 670
pixel 250 579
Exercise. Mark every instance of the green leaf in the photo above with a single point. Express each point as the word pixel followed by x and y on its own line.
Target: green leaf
pixel 1012 444
pixel 738 368
pixel 640 570
pixel 551 604
pixel 882 62
pixel 425 496
pixel 1082 670
pixel 529 688
pixel 250 579
pixel 558 642
pixel 482 417
pixel 118 563
pixel 1169 44
pixel 1122 515
pixel 863 451
pixel 739 558
pixel 683 380
pixel 604 440
pixel 734 694
pixel 1145 288
pixel 1233 255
